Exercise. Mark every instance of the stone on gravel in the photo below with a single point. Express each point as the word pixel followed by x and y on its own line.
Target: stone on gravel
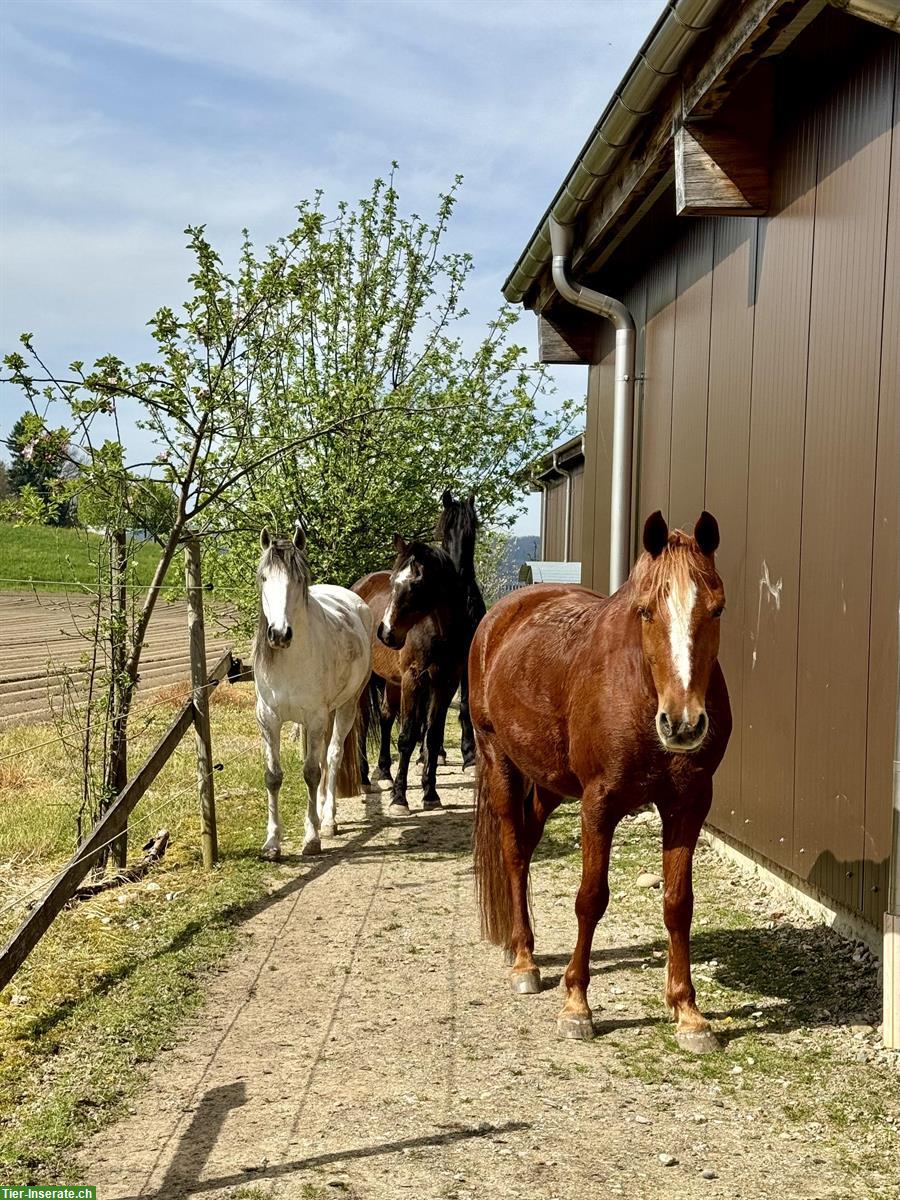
pixel 668 1160
pixel 708 1173
pixel 647 879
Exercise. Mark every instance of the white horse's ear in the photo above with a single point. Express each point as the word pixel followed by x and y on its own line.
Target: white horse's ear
pixel 399 543
pixel 299 536
pixel 265 539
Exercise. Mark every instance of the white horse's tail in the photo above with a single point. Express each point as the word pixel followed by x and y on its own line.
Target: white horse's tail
pixel 349 779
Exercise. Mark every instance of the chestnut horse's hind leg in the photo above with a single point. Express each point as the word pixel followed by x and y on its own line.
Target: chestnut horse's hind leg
pixel 521 818
pixel 597 827
pixel 681 828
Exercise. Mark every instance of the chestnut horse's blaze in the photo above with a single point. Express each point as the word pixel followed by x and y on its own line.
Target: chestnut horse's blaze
pixel 620 702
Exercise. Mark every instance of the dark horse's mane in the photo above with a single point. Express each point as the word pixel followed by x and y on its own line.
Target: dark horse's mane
pixel 284 552
pixel 456 531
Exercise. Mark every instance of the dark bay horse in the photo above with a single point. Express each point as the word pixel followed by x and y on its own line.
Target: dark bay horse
pixel 456 531
pixel 619 702
pixel 419 652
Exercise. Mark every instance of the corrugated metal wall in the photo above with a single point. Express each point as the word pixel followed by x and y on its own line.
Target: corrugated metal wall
pixel 770 352
pixel 554 516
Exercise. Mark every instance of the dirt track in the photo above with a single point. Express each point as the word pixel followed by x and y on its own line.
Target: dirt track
pixel 39 636
pixel 363 1042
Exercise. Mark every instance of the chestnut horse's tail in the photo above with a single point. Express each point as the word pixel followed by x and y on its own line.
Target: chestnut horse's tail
pixel 349 777
pixel 491 882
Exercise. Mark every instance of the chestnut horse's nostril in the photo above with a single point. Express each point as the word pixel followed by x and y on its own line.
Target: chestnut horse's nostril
pixel 665 724
pixel 700 728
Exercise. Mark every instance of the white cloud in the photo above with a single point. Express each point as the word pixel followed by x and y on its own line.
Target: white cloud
pixel 122 123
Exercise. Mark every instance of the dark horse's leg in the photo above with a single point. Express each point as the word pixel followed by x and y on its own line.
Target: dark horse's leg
pixel 365 703
pixel 467 739
pixel 597 827
pixel 411 705
pixel 438 703
pixel 390 703
pixel 682 821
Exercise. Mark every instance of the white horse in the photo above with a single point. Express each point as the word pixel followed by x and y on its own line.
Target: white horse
pixel 312 657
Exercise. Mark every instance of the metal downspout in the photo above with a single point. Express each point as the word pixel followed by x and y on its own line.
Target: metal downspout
pixel 623 397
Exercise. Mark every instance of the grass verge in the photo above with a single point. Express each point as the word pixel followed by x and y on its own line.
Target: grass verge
pixel 114 978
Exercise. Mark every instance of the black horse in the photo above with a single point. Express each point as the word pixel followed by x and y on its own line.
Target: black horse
pixel 456 530
pixel 419 654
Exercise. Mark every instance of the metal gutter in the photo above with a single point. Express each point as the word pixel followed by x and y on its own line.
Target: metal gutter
pixel 623 397
pixel 658 61
pixel 883 12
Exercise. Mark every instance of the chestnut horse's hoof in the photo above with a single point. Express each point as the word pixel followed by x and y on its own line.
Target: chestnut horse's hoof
pixel 526 983
pixel 311 848
pixel 697 1041
pixel 575 1025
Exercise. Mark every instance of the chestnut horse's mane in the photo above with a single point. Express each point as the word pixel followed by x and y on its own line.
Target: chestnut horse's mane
pixel 679 564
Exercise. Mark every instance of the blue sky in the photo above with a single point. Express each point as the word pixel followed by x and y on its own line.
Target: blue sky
pixel 124 121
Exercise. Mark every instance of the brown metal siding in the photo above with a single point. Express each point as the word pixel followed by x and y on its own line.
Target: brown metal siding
pixel 771 364
pixel 656 390
pixel 883 649
pixel 554 521
pixel 690 379
pixel 839 481
pixel 576 504
pixel 598 465
pixel 727 456
pixel 778 383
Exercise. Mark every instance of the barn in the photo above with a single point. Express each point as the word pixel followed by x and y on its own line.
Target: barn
pixel 724 257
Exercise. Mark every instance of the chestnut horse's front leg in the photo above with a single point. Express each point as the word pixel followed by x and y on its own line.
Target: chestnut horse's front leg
pixel 682 823
pixel 597 828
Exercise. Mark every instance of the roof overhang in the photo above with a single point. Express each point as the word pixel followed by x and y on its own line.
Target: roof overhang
pixel 660 129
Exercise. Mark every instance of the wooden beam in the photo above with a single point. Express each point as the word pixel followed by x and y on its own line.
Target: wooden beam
pixel 718 172
pixel 111 824
pixel 567 336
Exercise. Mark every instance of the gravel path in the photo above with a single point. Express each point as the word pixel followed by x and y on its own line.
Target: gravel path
pixel 364 1043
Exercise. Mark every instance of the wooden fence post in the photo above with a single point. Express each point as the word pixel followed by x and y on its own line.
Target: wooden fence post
pixel 194 587
pixel 118 753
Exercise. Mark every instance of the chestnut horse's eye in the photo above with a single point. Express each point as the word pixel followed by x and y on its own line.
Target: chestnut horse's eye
pixel 645 614
pixel 717 612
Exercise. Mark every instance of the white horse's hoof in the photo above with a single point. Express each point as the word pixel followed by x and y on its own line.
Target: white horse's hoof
pixel 312 847
pixel 329 830
pixel 271 850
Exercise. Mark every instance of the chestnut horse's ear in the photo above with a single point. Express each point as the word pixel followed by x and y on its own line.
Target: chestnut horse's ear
pixel 265 538
pixel 706 533
pixel 656 534
pixel 447 498
pixel 299 535
pixel 399 543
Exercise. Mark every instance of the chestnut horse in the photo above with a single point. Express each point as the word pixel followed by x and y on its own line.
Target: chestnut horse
pixel 619 702
pixel 419 652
